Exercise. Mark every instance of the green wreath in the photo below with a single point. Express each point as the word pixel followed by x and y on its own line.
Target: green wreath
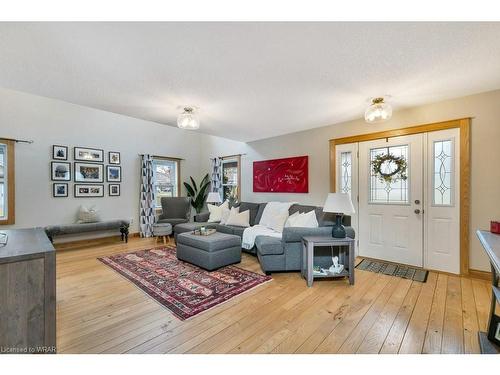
pixel 399 173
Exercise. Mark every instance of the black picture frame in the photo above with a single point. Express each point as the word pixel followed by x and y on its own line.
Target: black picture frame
pixel 92 158
pixel 111 157
pixel 494 329
pixel 110 187
pixel 53 171
pixel 54 152
pixel 108 167
pixel 57 195
pixel 78 194
pixel 90 165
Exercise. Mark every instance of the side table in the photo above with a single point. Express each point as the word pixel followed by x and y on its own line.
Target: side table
pixel 308 245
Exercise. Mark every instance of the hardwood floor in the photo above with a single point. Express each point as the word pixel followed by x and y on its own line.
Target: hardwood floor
pixel 98 311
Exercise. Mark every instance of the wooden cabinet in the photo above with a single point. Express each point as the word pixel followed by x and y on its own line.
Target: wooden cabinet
pixel 27 293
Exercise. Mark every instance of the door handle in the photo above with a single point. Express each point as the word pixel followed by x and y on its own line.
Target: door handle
pixel 417 211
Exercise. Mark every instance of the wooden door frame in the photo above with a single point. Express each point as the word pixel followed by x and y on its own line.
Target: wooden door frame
pixel 464 125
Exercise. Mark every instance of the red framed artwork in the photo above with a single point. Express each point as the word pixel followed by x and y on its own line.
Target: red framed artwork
pixel 288 175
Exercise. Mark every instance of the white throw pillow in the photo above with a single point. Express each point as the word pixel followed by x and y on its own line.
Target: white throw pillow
pixel 88 215
pixel 239 219
pixel 304 220
pixel 216 211
pixel 226 211
pixel 275 215
pixel 290 222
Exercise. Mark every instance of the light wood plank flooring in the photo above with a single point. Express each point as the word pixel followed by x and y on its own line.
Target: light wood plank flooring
pixel 98 311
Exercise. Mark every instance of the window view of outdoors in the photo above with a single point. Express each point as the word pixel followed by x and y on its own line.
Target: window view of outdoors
pixel 165 179
pixel 229 180
pixel 2 181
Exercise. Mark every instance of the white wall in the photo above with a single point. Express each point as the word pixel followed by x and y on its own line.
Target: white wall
pixel 485 155
pixel 47 122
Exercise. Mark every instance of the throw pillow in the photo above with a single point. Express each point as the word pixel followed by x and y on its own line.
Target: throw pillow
pixel 226 211
pixel 274 213
pixel 291 219
pixel 216 211
pixel 88 215
pixel 304 220
pixel 239 219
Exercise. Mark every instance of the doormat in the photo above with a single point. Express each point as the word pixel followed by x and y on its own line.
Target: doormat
pixel 391 269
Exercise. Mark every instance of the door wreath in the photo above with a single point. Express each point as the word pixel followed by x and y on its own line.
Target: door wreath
pixel 396 173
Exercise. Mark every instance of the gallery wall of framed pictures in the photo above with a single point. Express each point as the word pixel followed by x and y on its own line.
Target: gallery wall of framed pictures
pixel 86 171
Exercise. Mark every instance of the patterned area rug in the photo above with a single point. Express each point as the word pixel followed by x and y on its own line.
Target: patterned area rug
pixel 392 269
pixel 184 289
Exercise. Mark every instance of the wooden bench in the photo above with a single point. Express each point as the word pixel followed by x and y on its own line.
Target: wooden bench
pixel 58 230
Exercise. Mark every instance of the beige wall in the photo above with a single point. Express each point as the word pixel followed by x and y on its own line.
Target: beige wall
pixel 485 145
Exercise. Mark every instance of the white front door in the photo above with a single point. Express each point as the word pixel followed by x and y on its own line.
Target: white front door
pixel 390 214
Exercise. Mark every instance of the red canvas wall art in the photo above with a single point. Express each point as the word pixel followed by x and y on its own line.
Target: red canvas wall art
pixel 288 175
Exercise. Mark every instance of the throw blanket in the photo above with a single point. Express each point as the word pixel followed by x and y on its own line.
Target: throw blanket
pixel 251 233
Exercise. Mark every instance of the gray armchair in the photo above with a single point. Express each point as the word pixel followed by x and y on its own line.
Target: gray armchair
pixel 175 210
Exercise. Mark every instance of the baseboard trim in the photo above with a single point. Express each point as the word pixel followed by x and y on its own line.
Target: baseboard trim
pixel 478 274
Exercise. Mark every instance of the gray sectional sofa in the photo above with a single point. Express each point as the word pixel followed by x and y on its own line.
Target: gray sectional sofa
pixel 276 254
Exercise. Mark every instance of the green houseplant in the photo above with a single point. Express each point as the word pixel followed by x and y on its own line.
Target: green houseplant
pixel 198 193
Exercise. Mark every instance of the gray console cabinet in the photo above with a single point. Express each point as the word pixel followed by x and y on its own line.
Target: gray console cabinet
pixel 27 293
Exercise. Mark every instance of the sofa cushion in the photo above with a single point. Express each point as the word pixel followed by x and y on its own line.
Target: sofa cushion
pixel 224 229
pixel 252 207
pixel 268 245
pixel 295 234
pixel 211 243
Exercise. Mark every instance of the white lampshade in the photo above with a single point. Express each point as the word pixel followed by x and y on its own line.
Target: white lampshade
pixel 339 203
pixel 214 197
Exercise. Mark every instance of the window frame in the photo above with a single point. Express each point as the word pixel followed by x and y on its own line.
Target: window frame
pixel 230 159
pixel 9 178
pixel 178 175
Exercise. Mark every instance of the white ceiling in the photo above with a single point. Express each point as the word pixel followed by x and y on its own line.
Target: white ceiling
pixel 250 80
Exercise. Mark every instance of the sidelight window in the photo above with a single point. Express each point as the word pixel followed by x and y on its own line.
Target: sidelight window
pixel 442 173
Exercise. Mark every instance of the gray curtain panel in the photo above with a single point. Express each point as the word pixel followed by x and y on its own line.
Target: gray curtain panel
pixel 147 212
pixel 216 178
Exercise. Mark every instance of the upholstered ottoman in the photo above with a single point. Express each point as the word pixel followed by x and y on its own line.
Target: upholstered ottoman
pixel 209 252
pixel 162 230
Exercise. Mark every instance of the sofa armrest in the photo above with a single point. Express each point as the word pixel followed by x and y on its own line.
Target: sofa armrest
pixel 202 217
pixel 295 234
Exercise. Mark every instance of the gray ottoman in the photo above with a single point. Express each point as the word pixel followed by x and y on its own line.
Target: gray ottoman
pixel 209 252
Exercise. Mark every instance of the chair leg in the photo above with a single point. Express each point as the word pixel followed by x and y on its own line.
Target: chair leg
pixel 164 240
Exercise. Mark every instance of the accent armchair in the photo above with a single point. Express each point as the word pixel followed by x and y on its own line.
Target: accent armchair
pixel 175 210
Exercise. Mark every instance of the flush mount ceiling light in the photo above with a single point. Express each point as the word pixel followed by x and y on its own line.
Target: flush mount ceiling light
pixel 188 119
pixel 378 111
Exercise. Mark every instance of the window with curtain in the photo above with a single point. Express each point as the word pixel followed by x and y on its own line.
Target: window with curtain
pixel 231 178
pixel 6 182
pixel 166 176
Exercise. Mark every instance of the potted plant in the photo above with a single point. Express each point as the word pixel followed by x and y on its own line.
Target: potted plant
pixel 198 193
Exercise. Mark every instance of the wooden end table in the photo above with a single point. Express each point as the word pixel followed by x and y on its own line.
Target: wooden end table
pixel 308 245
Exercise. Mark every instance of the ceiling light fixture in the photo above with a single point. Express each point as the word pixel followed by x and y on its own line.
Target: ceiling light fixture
pixel 378 111
pixel 188 119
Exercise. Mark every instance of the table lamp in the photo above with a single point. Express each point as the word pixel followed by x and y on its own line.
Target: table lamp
pixel 214 197
pixel 339 204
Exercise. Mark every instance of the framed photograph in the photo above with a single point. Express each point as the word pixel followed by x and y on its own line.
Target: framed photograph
pixel 89 172
pixel 494 331
pixel 113 174
pixel 59 152
pixel 89 191
pixel 88 154
pixel 60 171
pixel 59 190
pixel 114 190
pixel 114 157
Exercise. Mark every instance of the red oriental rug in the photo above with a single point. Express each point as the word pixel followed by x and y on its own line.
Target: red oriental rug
pixel 184 289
